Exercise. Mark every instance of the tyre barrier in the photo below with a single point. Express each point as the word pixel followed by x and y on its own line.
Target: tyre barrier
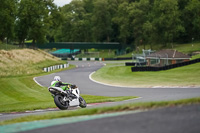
pixel 55 67
pixel 149 68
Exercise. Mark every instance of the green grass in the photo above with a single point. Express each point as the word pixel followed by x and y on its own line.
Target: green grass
pixel 100 99
pixel 185 48
pixel 123 76
pixel 196 56
pixel 29 69
pixel 8 46
pixel 188 48
pixel 19 92
pixel 81 112
pixel 22 93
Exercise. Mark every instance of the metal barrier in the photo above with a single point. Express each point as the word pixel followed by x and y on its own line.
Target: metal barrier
pixel 55 67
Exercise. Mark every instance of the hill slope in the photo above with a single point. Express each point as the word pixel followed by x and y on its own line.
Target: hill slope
pixel 24 61
pixel 18 91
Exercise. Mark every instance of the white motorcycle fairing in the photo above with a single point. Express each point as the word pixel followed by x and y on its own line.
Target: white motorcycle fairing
pixel 76 92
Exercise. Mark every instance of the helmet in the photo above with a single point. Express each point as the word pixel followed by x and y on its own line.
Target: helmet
pixel 57 78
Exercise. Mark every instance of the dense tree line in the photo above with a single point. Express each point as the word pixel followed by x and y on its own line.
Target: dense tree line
pixel 125 21
pixel 28 19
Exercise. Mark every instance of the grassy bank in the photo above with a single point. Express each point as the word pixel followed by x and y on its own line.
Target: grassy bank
pixel 188 48
pixel 22 93
pixel 126 107
pixel 19 92
pixel 25 62
pixel 122 75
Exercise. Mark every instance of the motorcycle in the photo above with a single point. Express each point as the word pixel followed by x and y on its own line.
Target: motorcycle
pixel 64 99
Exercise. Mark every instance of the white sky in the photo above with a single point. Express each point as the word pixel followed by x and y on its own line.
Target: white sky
pixel 62 2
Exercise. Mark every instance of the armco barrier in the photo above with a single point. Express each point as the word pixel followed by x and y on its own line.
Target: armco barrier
pixel 82 59
pixel 97 59
pixel 148 68
pixel 119 58
pixel 134 63
pixel 51 68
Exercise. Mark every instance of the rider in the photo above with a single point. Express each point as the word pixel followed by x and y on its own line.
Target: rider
pixel 58 83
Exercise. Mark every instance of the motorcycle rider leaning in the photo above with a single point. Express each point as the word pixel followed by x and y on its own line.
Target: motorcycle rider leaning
pixel 58 83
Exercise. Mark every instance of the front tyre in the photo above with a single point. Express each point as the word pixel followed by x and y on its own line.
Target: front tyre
pixel 82 102
pixel 60 103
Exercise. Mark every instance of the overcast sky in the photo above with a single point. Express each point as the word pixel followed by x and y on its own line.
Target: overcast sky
pixel 62 2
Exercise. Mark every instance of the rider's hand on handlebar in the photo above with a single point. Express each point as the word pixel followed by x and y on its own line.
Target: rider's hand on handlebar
pixel 73 86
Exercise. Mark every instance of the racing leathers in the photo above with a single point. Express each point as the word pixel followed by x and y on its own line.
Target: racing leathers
pixel 64 86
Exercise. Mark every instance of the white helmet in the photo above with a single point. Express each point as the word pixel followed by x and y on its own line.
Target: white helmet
pixel 57 78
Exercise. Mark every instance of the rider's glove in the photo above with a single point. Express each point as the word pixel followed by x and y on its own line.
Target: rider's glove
pixel 73 86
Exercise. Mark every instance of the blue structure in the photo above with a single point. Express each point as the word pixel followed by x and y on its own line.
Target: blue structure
pixel 65 52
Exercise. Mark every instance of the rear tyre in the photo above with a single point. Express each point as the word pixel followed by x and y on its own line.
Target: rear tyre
pixel 60 103
pixel 82 102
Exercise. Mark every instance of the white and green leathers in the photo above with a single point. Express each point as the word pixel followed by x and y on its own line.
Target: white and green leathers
pixel 64 86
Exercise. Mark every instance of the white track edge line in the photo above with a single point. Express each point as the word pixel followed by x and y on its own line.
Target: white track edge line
pixel 37 82
pixel 90 77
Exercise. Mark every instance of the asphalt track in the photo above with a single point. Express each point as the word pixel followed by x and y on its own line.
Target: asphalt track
pixel 80 77
pixel 184 119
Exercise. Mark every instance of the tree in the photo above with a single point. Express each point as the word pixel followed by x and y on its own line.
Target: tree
pixel 7 18
pixel 123 23
pixel 167 21
pixel 139 14
pixel 102 27
pixel 192 19
pixel 34 20
pixel 77 25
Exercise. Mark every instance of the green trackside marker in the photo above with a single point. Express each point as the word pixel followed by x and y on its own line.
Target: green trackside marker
pixel 25 126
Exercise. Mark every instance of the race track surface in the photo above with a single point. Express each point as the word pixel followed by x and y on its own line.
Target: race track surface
pixel 139 122
pixel 80 77
pixel 165 120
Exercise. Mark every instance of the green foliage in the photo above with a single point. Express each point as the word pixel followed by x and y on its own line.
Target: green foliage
pixel 192 19
pixel 123 22
pixel 7 18
pixel 102 20
pixel 35 18
pixel 138 22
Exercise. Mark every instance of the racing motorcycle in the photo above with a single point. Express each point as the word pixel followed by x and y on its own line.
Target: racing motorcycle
pixel 64 99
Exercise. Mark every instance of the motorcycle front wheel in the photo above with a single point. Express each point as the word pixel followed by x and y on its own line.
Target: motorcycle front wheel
pixel 60 103
pixel 82 102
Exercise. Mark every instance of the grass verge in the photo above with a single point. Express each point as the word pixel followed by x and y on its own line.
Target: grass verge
pixel 19 93
pixel 8 46
pixel 101 99
pixel 123 76
pixel 126 107
pixel 22 93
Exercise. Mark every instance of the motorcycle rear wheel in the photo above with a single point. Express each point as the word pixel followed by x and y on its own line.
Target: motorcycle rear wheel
pixel 58 100
pixel 82 102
